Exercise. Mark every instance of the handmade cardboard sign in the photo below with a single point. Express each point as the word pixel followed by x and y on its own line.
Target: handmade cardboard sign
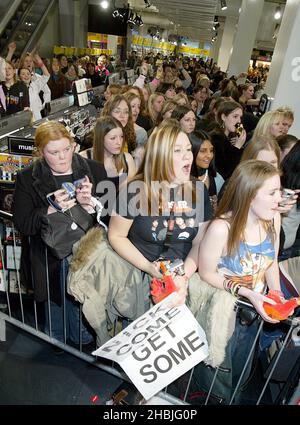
pixel 158 347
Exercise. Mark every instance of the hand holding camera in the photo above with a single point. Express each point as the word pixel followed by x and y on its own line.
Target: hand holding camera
pixel 61 200
pixel 240 138
pixel 83 189
pixel 289 198
pixel 70 194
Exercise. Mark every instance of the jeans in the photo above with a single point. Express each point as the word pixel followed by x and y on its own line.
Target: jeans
pixel 229 372
pixel 70 327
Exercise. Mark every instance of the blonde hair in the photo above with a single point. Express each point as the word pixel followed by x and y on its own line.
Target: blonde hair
pixel 114 89
pixel 48 131
pixel 248 177
pixel 169 105
pixel 14 68
pixel 181 96
pixel 261 142
pixel 286 112
pixel 153 114
pixel 265 123
pixel 157 165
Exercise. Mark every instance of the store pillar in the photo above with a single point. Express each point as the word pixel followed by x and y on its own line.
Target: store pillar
pixel 244 40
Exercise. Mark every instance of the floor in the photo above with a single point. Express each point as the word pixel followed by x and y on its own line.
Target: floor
pixel 32 373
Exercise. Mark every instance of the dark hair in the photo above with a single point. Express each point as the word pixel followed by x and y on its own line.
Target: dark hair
pixel 291 169
pixel 197 138
pixel 285 141
pixel 199 87
pixel 103 126
pixel 164 87
pixel 226 108
pixel 169 65
pixel 232 92
pixel 180 111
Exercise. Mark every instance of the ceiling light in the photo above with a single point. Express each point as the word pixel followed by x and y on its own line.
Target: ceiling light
pixel 104 4
pixel 223 5
pixel 277 14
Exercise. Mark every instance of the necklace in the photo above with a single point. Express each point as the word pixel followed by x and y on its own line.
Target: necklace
pixel 250 255
pixel 205 177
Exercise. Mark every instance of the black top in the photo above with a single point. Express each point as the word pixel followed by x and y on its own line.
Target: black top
pixel 147 233
pixel 144 122
pixel 227 156
pixel 17 97
pixel 108 195
pixel 30 205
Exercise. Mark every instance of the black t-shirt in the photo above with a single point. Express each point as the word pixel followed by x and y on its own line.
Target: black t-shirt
pixel 17 97
pixel 227 156
pixel 148 233
pixel 144 122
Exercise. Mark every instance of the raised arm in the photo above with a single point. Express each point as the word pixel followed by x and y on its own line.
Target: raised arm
pixel 11 50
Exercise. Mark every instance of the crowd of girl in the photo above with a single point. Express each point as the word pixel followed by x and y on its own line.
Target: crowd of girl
pixel 188 160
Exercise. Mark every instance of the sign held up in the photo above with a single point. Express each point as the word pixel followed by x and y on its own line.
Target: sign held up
pixel 158 347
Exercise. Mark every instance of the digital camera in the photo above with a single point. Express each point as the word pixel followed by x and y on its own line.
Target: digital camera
pixel 69 189
pixel 287 194
pixel 176 266
pixel 239 129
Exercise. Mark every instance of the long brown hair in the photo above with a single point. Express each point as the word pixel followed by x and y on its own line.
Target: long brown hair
pixel 226 108
pixel 103 126
pixel 112 103
pixel 248 177
pixel 267 143
pixel 157 165
pixel 152 113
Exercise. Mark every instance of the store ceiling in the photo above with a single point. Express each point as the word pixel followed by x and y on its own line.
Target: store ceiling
pixel 194 18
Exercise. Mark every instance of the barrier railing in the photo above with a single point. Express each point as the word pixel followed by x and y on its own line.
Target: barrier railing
pixel 18 307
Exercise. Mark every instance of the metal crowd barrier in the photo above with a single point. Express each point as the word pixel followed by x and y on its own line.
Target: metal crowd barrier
pixel 18 307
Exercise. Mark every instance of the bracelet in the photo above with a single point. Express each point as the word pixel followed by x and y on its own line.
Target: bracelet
pixel 232 287
pixel 236 290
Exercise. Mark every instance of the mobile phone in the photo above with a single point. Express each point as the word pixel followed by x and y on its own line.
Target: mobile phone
pixel 78 183
pixel 287 194
pixel 69 188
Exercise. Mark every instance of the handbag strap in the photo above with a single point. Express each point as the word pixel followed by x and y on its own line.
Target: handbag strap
pixel 75 220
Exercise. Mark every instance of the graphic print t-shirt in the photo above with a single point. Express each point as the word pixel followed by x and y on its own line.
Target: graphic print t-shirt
pixel 148 233
pixel 248 267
